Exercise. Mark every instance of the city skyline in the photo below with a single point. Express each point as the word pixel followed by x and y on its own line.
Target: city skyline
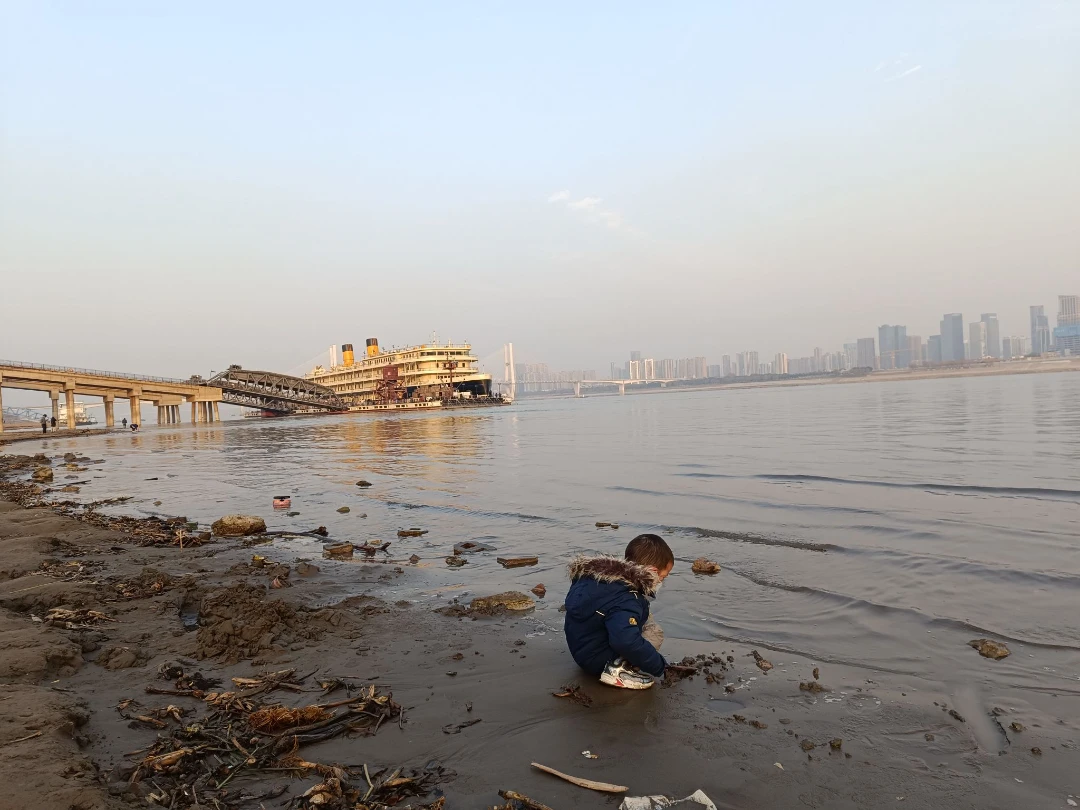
pixel 958 340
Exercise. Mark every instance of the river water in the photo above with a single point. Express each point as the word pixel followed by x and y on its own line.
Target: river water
pixel 880 525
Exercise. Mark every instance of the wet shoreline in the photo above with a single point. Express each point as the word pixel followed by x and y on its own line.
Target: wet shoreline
pixel 691 733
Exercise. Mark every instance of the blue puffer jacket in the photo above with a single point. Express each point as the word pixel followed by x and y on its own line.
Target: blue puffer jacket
pixel 606 608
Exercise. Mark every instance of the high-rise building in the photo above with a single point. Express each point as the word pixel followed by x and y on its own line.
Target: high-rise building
pixel 780 364
pixel 867 356
pixel 952 338
pixel 667 370
pixel 715 371
pixel 933 349
pixel 634 372
pixel 648 369
pixel 1040 331
pixel 635 356
pixel 726 368
pixel 993 334
pixel 892 344
pixel 696 368
pixel 1068 310
pixel 851 350
pixel 916 350
pixel 976 340
pixel 751 363
pixel 1067 339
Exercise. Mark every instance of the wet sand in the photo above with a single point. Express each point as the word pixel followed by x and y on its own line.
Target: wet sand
pixel 902 741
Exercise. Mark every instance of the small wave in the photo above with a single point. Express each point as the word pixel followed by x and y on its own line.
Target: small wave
pixel 856 603
pixel 800 507
pixel 457 510
pixel 958 489
pixel 754 539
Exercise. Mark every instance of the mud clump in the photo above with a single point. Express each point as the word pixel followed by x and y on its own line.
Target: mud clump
pixel 806 745
pixel 704 566
pixel 238 526
pixel 500 602
pixel 239 622
pixel 995 650
pixel 456 561
pixel 113 658
pixel 813 687
pixel 1017 727
pixel 762 663
pixel 150 582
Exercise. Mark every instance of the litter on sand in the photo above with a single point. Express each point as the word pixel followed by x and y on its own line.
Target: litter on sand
pixel 697 798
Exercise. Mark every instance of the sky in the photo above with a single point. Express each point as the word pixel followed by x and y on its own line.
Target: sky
pixel 189 185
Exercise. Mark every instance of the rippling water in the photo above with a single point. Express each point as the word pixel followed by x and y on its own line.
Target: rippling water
pixel 878 524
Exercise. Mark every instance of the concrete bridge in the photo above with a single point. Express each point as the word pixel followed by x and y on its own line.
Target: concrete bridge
pixel 168 395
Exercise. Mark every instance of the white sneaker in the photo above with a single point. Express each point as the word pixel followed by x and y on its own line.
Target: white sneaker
pixel 617 673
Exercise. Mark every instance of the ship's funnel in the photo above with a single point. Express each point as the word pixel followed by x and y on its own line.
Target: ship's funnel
pixel 372 347
pixel 346 354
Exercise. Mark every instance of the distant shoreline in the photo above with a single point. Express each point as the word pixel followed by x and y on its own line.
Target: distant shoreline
pixel 1048 366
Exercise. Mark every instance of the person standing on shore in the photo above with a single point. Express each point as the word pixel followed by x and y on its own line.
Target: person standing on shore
pixel 44 424
pixel 53 420
pixel 124 421
pixel 608 627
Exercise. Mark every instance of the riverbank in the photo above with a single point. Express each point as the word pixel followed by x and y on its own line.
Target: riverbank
pixel 67 729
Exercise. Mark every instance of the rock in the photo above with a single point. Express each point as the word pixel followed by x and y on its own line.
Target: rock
pixel 836 744
pixel 455 561
pixel 344 510
pixel 785 721
pixel 508 600
pixel 157 503
pixel 43 475
pixel 1036 751
pixel 603 524
pixel 703 566
pixel 761 662
pixel 516 562
pixel 540 590
pixel 306 569
pixel 1017 727
pixel 758 724
pixel 955 715
pixel 411 532
pixel 70 488
pixel 990 649
pixel 363 484
pixel 339 550
pixel 928 737
pixel 806 745
pixel 238 526
pixel 813 687
pixel 414 559
pixel 817 674
pixel 471 547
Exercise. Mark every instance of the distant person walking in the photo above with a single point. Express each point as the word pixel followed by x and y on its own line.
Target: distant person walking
pixel 124 421
pixel 44 425
pixel 53 420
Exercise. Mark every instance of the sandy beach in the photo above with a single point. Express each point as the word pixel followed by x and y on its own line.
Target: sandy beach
pixel 76 685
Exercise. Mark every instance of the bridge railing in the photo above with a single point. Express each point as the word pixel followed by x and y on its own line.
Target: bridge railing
pixel 111 374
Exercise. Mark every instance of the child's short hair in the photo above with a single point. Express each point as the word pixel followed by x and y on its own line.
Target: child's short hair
pixel 650 549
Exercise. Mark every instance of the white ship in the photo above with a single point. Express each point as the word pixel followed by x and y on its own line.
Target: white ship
pixel 428 375
pixel 81 416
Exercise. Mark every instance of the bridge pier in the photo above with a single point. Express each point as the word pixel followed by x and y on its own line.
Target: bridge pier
pixel 1 403
pixel 217 413
pixel 622 389
pixel 135 402
pixel 110 410
pixel 69 403
pixel 577 389
pixel 54 395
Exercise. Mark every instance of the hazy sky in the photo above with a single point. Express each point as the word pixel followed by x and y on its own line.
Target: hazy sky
pixel 191 184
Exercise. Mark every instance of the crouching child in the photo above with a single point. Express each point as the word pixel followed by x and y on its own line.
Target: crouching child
pixel 607 626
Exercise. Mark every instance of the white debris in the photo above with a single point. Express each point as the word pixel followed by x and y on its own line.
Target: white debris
pixel 657 802
pixel 590 755
pixel 1072 802
pixel 778 765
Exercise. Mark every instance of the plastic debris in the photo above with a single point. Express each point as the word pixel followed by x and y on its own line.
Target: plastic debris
pixel 697 798
pixel 590 755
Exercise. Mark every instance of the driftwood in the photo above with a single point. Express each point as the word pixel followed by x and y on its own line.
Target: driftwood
pixel 603 787
pixel 529 804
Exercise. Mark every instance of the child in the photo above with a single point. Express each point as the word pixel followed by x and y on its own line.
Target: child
pixel 607 610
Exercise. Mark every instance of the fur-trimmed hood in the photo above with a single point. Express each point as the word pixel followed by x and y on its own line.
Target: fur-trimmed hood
pixel 615 569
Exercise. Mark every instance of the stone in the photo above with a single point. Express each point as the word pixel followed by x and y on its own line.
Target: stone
pixel 806 745
pixel 455 561
pixel 43 475
pixel 1017 727
pixel 344 510
pixel 990 649
pixel 238 526
pixel 540 590
pixel 516 562
pixel 507 600
pixel 306 569
pixel 836 744
pixel 471 547
pixel 363 484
